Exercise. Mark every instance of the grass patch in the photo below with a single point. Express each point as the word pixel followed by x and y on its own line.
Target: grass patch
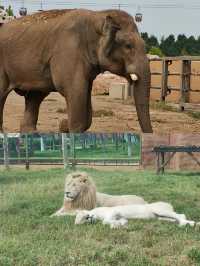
pixel 102 113
pixel 194 255
pixel 162 106
pixel 165 107
pixel 28 236
pixel 195 115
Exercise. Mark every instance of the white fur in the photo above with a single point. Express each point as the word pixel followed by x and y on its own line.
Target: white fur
pixel 118 216
pixel 105 200
pixel 79 195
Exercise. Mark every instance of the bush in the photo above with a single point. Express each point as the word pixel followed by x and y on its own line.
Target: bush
pixel 156 51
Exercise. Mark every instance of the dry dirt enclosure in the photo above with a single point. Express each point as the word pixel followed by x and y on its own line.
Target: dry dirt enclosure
pixel 110 115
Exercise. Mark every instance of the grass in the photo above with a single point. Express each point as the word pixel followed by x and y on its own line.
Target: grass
pixel 109 152
pixel 28 236
pixel 102 113
pixel 165 107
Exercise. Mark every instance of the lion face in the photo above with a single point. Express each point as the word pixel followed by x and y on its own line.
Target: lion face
pixel 75 183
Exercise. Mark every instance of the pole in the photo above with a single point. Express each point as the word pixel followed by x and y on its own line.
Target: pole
pixel 5 148
pixel 72 140
pixel 64 150
pixel 41 144
pixel 27 155
pixel 41 5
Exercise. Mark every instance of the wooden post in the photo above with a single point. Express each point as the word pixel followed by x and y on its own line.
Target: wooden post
pixel 5 148
pixel 164 82
pixel 27 155
pixel 185 83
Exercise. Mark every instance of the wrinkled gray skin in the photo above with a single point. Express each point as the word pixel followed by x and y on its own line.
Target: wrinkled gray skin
pixel 64 51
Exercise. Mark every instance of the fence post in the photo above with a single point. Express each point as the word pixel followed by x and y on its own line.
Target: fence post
pixel 164 82
pixel 27 155
pixel 64 150
pixel 185 83
pixel 72 146
pixel 5 148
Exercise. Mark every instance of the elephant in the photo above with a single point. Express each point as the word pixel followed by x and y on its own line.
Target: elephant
pixel 63 51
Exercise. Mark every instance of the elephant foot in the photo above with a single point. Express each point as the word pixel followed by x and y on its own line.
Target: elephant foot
pixel 63 126
pixel 27 128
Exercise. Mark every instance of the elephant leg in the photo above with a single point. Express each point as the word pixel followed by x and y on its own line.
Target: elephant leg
pixel 79 112
pixel 33 100
pixel 4 91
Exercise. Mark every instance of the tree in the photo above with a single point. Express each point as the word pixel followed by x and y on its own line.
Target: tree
pixel 153 41
pixel 156 51
pixel 145 37
pixel 168 46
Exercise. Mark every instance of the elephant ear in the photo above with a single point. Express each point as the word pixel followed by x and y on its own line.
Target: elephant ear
pixel 110 28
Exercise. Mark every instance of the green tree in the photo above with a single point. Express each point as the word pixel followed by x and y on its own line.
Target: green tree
pixel 168 46
pixel 153 41
pixel 180 44
pixel 145 37
pixel 156 51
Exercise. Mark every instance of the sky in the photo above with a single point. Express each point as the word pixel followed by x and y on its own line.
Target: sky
pixel 160 17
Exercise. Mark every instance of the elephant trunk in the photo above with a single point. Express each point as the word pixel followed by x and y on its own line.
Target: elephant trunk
pixel 141 96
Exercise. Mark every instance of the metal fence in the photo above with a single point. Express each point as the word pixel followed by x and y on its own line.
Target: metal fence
pixel 69 149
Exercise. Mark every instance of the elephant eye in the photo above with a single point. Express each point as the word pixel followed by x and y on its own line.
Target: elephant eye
pixel 128 46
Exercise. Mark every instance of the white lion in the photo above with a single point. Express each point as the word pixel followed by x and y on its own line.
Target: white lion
pixel 119 215
pixel 80 194
pixel 105 200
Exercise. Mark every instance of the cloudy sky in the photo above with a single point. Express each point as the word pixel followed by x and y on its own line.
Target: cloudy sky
pixel 160 17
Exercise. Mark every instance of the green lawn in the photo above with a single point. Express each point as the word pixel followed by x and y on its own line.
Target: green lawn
pixel 109 152
pixel 28 236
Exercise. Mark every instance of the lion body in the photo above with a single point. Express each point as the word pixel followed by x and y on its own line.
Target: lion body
pixel 80 194
pixel 105 200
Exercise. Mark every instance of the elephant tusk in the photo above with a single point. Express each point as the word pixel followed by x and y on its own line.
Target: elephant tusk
pixel 134 77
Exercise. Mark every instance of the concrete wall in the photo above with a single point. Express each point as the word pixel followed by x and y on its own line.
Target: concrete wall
pixel 181 161
pixel 119 91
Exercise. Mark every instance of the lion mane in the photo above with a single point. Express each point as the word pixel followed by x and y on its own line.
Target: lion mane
pixel 79 194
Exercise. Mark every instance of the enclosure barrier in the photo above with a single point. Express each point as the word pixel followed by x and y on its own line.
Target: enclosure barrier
pixel 185 75
pixel 72 149
pixel 73 162
pixel 161 150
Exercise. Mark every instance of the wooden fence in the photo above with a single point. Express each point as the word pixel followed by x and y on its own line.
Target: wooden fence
pixel 185 75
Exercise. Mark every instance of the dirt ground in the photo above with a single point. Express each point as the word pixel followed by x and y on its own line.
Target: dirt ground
pixel 110 115
pixel 123 117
